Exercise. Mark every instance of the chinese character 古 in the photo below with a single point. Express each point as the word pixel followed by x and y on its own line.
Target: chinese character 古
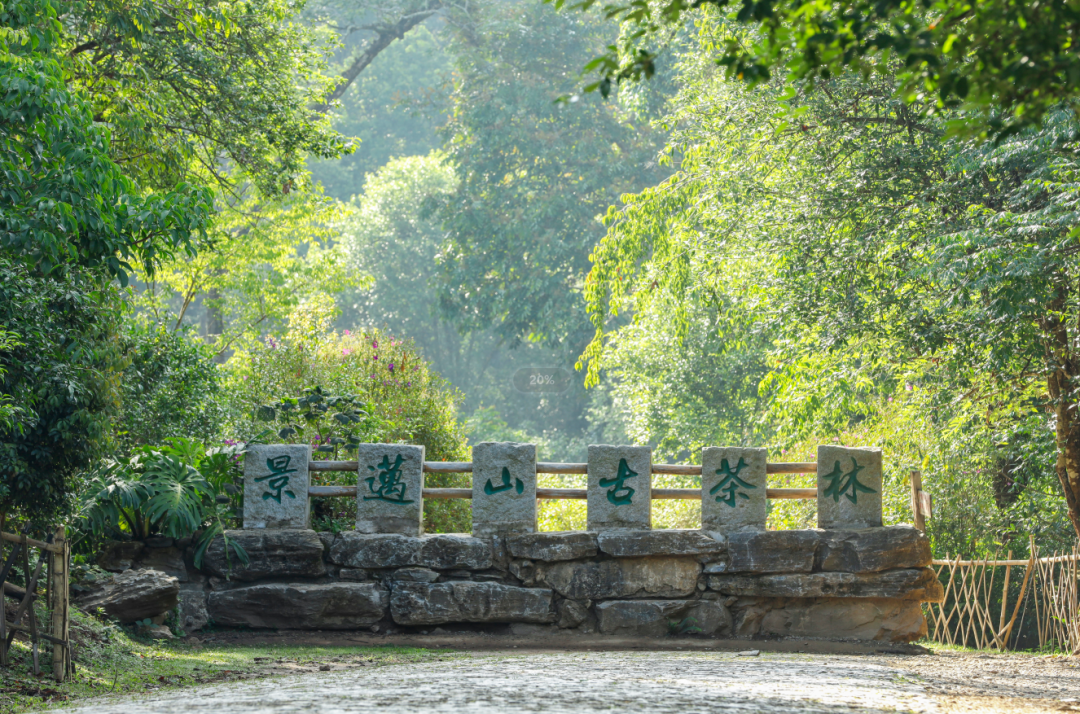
pixel 619 493
pixel 845 484
pixel 505 486
pixel 731 483
pixel 390 487
pixel 278 478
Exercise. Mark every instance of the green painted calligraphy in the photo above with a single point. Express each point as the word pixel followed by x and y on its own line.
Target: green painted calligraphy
pixel 390 487
pixel 845 484
pixel 505 486
pixel 619 493
pixel 731 483
pixel 278 478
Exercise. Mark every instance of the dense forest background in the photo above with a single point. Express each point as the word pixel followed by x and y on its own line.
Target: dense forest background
pixel 337 222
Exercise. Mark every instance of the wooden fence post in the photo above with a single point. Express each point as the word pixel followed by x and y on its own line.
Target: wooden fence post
pixel 916 501
pixel 61 655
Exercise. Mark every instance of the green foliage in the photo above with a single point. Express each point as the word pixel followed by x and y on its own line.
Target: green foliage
pixel 534 173
pixel 1007 62
pixel 381 386
pixel 175 490
pixel 881 283
pixel 170 387
pixel 65 200
pixel 215 93
pixel 335 423
pixel 62 380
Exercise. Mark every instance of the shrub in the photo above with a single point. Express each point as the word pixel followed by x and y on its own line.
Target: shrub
pixel 400 397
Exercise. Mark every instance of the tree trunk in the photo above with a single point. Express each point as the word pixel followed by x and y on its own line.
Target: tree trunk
pixel 215 323
pixel 1062 384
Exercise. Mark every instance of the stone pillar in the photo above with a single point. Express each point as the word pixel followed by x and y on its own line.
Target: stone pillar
pixel 849 487
pixel 503 488
pixel 620 487
pixel 733 483
pixel 390 489
pixel 276 486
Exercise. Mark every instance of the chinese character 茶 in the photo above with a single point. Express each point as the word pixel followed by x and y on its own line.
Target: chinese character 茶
pixel 731 483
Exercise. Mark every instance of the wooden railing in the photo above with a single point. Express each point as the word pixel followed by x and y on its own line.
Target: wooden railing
pixel 55 554
pixel 464 467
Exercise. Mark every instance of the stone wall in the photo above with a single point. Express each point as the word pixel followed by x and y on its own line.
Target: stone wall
pixel 850 584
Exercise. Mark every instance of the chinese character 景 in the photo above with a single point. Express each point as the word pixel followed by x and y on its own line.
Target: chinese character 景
pixel 491 490
pixel 845 484
pixel 619 493
pixel 731 483
pixel 390 487
pixel 278 478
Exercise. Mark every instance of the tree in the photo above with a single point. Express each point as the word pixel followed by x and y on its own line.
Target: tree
pixel 1009 62
pixel 876 254
pixel 65 201
pixel 63 380
pixel 534 174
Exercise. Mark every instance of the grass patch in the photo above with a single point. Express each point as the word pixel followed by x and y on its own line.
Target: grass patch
pixel 112 661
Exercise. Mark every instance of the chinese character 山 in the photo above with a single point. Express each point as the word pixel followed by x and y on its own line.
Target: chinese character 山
pixel 491 490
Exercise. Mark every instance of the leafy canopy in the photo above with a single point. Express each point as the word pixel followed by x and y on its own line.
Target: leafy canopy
pixel 1010 61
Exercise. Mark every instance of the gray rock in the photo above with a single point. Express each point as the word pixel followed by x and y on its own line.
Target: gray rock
pixel 300 606
pixel 415 575
pixel 622 578
pixel 439 552
pixel 503 488
pixel 879 619
pixel 563 545
pixel 524 570
pixel 390 490
pixel 620 487
pixel 193 614
pixel 733 483
pixel 769 552
pixel 166 560
pixel 664 542
pixel 160 542
pixel 849 487
pixel 356 575
pixel 440 603
pixel 118 555
pixel 133 595
pixel 873 549
pixel 572 613
pixel 327 540
pixel 276 486
pixel 447 551
pixel 656 618
pixel 919 584
pixel 272 553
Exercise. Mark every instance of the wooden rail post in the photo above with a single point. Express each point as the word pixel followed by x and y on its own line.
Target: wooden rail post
pixel 916 501
pixel 61 655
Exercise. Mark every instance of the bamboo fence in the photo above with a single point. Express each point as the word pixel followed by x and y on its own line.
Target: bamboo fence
pixel 53 560
pixel 976 611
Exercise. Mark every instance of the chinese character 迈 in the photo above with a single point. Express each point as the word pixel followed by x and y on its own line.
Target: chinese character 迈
pixel 618 484
pixel 731 483
pixel 278 479
pixel 845 484
pixel 390 487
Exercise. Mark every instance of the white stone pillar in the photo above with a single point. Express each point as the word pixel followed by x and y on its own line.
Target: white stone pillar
pixel 849 487
pixel 503 488
pixel 733 484
pixel 276 486
pixel 390 489
pixel 620 487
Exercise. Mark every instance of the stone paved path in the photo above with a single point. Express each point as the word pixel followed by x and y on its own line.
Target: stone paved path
pixel 570 683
